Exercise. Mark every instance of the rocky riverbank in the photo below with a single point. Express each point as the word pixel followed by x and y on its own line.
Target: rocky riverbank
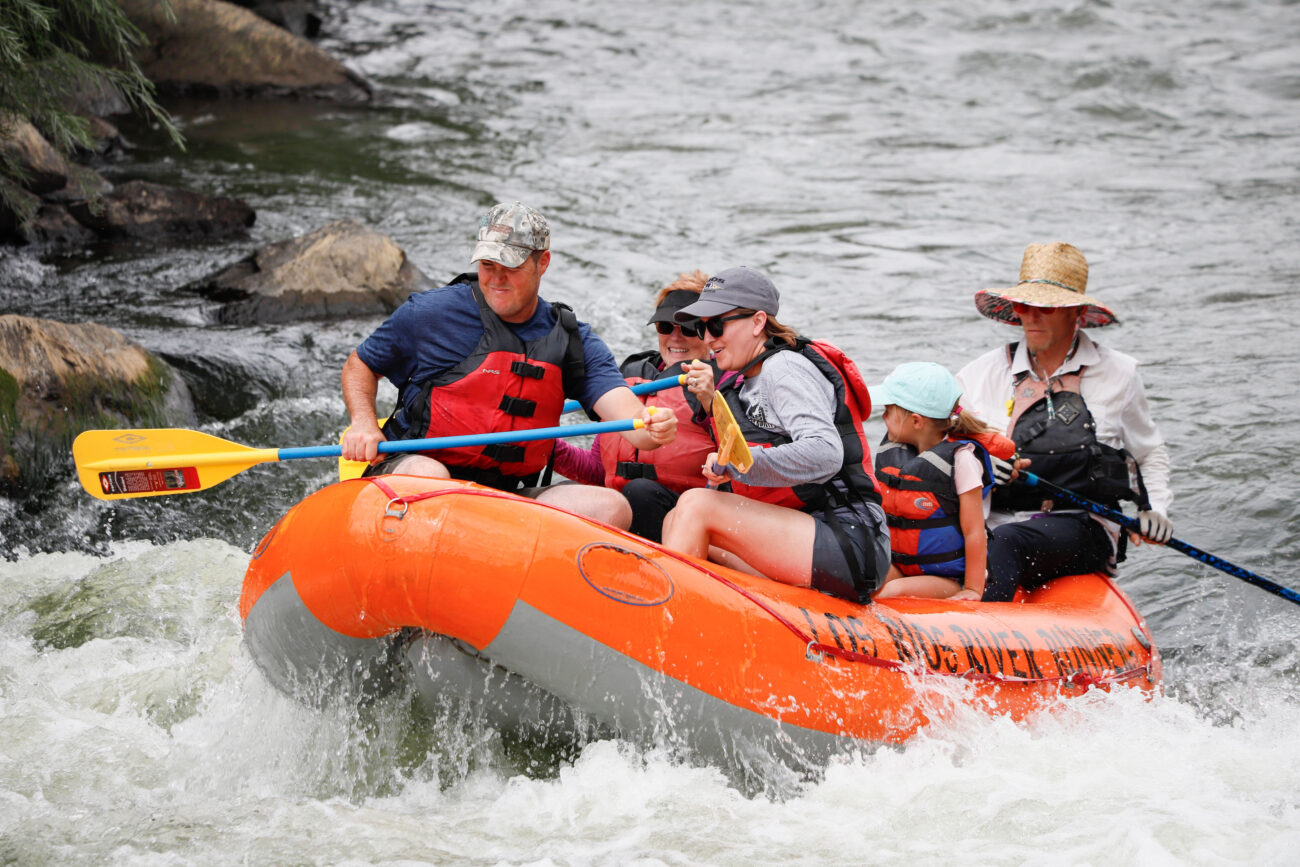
pixel 57 378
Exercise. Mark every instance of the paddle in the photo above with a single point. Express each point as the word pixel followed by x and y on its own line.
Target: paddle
pixel 1177 544
pixel 649 387
pixel 353 469
pixel 732 448
pixel 120 464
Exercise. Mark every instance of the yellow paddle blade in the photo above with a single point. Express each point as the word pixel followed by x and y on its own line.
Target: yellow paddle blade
pixel 121 464
pixel 732 448
pixel 351 468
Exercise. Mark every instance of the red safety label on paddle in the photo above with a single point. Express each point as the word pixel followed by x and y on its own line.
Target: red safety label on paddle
pixel 148 481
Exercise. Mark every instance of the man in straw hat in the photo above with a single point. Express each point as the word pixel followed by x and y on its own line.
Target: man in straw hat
pixel 487 354
pixel 1078 414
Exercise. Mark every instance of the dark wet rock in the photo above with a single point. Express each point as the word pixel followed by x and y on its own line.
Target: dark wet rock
pixel 106 139
pixel 146 211
pixel 212 48
pixel 53 226
pixel 10 229
pixel 76 205
pixel 58 379
pixel 343 269
pixel 299 17
pixel 95 96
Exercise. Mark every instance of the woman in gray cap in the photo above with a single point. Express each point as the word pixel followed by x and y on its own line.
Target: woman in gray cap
pixel 807 511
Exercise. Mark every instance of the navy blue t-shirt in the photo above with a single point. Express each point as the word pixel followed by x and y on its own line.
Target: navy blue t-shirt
pixel 435 330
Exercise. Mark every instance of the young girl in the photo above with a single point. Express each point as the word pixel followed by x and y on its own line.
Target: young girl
pixel 935 476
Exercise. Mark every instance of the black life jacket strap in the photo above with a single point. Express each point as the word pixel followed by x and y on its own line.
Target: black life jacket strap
pixel 549 472
pixel 826 502
pixel 504 452
pixel 574 372
pixel 517 406
pixel 927 559
pixel 636 470
pixel 527 370
pixel 897 523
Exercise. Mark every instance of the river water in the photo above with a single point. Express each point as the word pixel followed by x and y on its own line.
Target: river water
pixel 882 162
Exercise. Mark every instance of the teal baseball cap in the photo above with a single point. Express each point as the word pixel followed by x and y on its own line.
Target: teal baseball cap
pixel 922 387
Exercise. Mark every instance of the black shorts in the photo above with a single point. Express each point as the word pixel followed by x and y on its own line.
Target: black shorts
pixel 388 465
pixel 867 539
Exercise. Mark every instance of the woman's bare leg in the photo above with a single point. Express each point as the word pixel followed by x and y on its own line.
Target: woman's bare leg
pixel 774 540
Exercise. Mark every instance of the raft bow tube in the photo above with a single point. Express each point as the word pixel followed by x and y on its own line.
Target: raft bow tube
pixel 468 592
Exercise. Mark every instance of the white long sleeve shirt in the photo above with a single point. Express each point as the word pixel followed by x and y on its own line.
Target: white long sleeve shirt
pixel 1111 387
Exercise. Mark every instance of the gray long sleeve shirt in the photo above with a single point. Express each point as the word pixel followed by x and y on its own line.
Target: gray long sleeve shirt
pixel 793 398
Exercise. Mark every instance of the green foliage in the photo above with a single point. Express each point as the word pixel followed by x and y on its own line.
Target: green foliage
pixel 51 50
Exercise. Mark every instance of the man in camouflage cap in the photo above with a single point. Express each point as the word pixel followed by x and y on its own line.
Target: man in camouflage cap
pixel 485 354
pixel 508 234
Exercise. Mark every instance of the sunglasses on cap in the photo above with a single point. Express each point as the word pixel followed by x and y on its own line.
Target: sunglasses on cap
pixel 717 325
pixel 691 329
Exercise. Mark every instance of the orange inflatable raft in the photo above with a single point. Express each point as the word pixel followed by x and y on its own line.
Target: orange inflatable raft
pixel 370 583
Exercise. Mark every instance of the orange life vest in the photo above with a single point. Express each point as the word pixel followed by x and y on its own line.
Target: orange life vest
pixel 921 502
pixel 675 465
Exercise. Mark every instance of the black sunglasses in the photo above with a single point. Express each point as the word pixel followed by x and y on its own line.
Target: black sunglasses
pixel 715 327
pixel 690 329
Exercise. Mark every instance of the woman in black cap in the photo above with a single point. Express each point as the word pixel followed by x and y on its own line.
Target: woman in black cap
pixel 653 480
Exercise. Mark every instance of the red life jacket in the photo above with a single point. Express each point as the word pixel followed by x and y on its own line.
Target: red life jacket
pixel 852 407
pixel 503 384
pixel 921 502
pixel 676 465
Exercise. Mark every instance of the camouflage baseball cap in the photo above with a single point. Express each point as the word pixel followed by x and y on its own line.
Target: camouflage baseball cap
pixel 510 232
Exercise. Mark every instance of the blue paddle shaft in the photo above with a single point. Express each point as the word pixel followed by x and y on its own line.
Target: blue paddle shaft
pixel 1177 544
pixel 649 387
pixel 486 439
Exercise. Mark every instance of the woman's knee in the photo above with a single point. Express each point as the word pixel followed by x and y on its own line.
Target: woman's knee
pixel 694 505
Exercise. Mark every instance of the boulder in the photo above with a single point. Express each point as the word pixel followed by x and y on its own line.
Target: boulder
pixel 342 269
pixel 208 47
pixel 58 379
pixel 146 211
pixel 45 168
pixel 54 227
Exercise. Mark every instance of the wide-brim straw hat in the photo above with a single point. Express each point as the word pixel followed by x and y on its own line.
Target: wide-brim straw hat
pixel 1051 275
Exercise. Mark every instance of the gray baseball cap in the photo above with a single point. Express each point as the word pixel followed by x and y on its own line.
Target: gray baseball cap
pixel 509 233
pixel 729 289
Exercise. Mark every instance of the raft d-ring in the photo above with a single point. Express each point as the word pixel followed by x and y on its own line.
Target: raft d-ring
pixel 813 655
pixel 390 512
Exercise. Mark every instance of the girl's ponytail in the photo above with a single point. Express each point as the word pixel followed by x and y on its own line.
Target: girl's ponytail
pixel 961 423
